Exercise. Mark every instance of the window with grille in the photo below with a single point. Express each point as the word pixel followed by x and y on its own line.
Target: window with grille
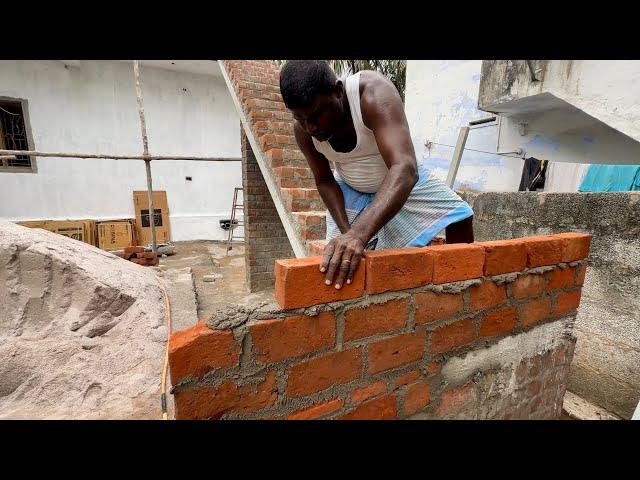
pixel 13 136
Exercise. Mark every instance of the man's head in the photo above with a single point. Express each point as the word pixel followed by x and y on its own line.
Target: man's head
pixel 315 96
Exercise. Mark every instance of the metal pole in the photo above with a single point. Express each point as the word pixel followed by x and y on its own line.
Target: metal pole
pixel 10 154
pixel 457 156
pixel 147 161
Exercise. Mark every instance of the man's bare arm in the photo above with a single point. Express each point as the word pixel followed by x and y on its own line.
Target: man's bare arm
pixel 325 182
pixel 382 112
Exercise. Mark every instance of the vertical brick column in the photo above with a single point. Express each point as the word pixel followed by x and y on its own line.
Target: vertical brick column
pixel 265 237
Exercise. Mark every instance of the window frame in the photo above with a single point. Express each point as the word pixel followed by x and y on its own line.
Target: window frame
pixel 24 104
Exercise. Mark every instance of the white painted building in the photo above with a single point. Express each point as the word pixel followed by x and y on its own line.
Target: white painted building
pixel 90 107
pixel 571 112
pixel 442 96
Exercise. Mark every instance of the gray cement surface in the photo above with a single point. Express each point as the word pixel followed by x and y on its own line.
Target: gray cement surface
pixel 606 366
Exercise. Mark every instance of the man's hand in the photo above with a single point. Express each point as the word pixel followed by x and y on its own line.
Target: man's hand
pixel 342 255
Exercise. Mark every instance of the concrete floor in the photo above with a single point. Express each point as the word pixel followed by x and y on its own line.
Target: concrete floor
pixel 210 258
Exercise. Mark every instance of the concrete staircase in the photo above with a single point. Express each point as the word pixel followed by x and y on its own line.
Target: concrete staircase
pixel 254 87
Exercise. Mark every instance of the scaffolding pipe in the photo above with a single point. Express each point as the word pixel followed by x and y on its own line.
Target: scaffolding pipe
pixel 12 153
pixel 147 160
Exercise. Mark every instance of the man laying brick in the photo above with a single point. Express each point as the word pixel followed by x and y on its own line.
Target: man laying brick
pixel 378 197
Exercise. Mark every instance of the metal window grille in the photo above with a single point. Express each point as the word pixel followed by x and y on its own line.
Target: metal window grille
pixel 13 135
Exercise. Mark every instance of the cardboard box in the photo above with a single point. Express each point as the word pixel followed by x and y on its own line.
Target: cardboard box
pixel 82 230
pixel 161 217
pixel 115 235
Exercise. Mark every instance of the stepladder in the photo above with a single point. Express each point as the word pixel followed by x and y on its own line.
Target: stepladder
pixel 238 205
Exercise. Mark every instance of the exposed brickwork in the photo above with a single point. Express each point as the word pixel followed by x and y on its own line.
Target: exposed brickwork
pixel 299 283
pixel 256 86
pixel 195 351
pixel 397 269
pixel 265 237
pixel 276 340
pixel 386 317
pixel 432 306
pixel 351 354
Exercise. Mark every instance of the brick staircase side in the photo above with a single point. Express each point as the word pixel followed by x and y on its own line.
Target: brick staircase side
pixel 254 87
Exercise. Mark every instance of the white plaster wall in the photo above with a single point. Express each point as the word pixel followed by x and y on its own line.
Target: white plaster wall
pixel 91 107
pixel 584 111
pixel 609 90
pixel 441 96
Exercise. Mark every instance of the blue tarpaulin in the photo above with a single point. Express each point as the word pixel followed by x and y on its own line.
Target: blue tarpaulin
pixel 611 178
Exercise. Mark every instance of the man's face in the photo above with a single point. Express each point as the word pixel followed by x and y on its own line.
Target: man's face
pixel 322 117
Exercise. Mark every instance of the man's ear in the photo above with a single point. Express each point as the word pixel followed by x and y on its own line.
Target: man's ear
pixel 339 88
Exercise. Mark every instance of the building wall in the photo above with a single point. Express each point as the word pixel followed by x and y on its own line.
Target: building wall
pixel 480 331
pixel 266 238
pixel 579 111
pixel 441 96
pixel 90 106
pixel 606 366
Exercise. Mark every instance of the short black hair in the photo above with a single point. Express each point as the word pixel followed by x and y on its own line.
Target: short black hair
pixel 301 81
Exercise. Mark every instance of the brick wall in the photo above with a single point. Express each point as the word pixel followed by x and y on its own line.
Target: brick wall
pixel 265 237
pixel 285 175
pixel 454 331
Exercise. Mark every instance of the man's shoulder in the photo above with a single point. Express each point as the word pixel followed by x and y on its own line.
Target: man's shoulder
pixel 377 92
pixel 372 81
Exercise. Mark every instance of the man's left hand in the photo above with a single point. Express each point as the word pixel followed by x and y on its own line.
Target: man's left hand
pixel 342 255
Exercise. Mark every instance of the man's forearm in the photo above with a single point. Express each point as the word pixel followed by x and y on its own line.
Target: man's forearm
pixel 391 197
pixel 334 200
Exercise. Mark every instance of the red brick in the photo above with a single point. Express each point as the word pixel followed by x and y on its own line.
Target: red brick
pixel 433 367
pixel 275 340
pixel 376 318
pixel 317 411
pixel 322 372
pixel 504 256
pixel 575 246
pixel 299 283
pixel 409 377
pixel 528 286
pixel 199 349
pixel 498 322
pixel 432 306
pixel 560 278
pixel 581 273
pixel 558 358
pixel 533 388
pixel 457 262
pixel 395 351
pixel 213 402
pixel 567 301
pixel 454 335
pixel 453 399
pixel 543 250
pixel 382 408
pixel 365 393
pixel 417 397
pixel 547 360
pixel 534 311
pixel 486 295
pixel 398 269
pixel 316 247
pixel 133 249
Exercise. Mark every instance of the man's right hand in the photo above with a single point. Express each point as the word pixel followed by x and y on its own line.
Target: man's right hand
pixel 342 255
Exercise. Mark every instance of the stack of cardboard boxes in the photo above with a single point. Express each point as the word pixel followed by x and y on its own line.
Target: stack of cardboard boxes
pixel 119 234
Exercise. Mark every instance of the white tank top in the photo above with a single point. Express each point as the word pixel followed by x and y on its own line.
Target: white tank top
pixel 362 168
